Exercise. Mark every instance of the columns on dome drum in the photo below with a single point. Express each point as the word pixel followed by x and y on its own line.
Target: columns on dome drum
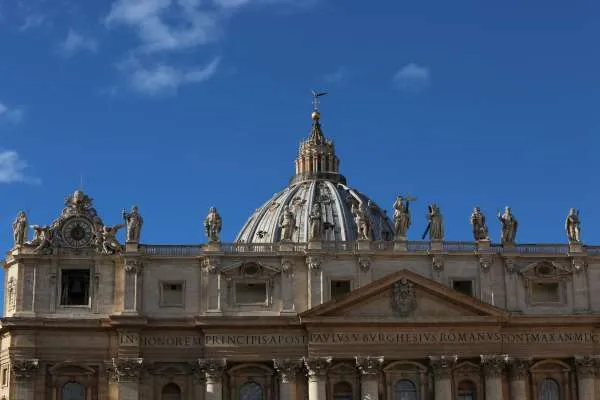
pixel 317 377
pixel 442 375
pixel 287 371
pixel 369 368
pixel 586 376
pixel 213 370
pixel 493 369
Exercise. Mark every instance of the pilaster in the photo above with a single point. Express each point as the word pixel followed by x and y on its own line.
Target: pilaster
pixel 211 270
pixel 586 368
pixel 24 371
pixel 315 280
pixel 287 286
pixel 213 370
pixel 125 374
pixel 518 372
pixel 317 377
pixel 133 289
pixel 369 368
pixel 442 375
pixel 287 370
pixel 493 369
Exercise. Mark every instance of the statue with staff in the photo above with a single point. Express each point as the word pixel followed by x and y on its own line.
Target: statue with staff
pixel 573 226
pixel 402 216
pixel 435 227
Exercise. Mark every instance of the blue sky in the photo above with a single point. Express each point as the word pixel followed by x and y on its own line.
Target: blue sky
pixel 179 105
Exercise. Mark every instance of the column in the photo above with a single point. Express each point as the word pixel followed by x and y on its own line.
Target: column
pixel 442 375
pixel 125 373
pixel 287 286
pixel 213 372
pixel 24 371
pixel 317 377
pixel 369 368
pixel 315 281
pixel 586 377
pixel 493 368
pixel 132 295
pixel 518 370
pixel 287 370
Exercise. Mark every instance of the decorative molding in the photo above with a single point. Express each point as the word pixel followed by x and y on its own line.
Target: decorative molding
pixel 317 366
pixel 211 264
pixel 287 369
pixel 24 369
pixel 369 365
pixel 493 365
pixel 213 368
pixel 314 262
pixel 578 264
pixel 442 366
pixel 124 369
pixel 404 300
pixel 133 266
pixel 437 263
pixel 510 265
pixel 287 266
pixel 364 263
pixel 11 291
pixel 486 261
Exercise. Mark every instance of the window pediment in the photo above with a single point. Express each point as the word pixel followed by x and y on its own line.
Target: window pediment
pixel 547 271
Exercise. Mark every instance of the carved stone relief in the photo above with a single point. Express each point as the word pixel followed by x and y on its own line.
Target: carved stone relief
pixel 314 262
pixel 404 301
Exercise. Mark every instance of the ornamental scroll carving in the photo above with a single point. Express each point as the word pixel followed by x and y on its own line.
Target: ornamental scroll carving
pixel 369 365
pixel 24 369
pixel 133 266
pixel 287 369
pixel 404 299
pixel 486 261
pixel 124 369
pixel 317 366
pixel 212 368
pixel 493 365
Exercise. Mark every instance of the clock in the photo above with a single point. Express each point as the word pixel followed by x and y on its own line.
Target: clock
pixel 77 232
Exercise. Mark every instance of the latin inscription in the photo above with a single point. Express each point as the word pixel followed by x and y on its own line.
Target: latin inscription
pixel 255 340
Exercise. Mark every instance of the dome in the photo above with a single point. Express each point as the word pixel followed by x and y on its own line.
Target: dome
pixel 317 192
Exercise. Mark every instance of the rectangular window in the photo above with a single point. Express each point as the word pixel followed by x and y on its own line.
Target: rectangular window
pixel 5 376
pixel 340 288
pixel 545 292
pixel 464 287
pixel 251 292
pixel 75 287
pixel 171 294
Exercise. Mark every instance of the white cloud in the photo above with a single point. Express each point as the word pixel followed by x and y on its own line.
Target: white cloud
pixel 412 77
pixel 12 168
pixel 11 115
pixel 32 21
pixel 167 79
pixel 75 42
pixel 336 76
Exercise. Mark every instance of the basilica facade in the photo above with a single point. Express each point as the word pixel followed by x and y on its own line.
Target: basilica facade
pixel 322 296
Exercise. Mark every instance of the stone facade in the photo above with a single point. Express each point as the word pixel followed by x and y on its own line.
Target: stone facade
pixel 291 320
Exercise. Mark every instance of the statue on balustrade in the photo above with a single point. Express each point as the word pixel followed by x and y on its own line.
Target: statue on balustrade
pixel 316 223
pixel 361 219
pixel 212 225
pixel 287 224
pixel 509 226
pixel 20 229
pixel 480 229
pixel 435 227
pixel 402 217
pixel 573 226
pixel 134 223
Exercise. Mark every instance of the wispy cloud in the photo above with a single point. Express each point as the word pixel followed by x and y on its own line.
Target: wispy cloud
pixel 32 21
pixel 165 79
pixel 13 169
pixel 12 115
pixel 75 42
pixel 412 77
pixel 336 76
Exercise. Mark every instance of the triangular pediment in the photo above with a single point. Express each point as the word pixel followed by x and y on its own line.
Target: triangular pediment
pixel 404 295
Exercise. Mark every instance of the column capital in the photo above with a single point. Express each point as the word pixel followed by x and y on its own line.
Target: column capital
pixel 493 364
pixel 518 368
pixel 369 365
pixel 317 366
pixel 211 264
pixel 24 368
pixel 287 369
pixel 442 365
pixel 133 266
pixel 586 366
pixel 213 368
pixel 124 369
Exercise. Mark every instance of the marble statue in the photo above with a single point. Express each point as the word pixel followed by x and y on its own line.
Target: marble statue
pixel 361 219
pixel 287 223
pixel 42 239
pixel 20 229
pixel 106 240
pixel 509 226
pixel 480 229
pixel 134 223
pixel 436 223
pixel 316 223
pixel 212 225
pixel 401 217
pixel 573 226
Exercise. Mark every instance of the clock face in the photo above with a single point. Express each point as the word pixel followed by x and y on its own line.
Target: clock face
pixel 77 232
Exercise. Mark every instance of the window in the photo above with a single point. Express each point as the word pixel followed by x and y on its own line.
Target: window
pixel 340 288
pixel 75 287
pixel 251 292
pixel 342 391
pixel 251 391
pixel 466 391
pixel 171 392
pixel 405 390
pixel 545 292
pixel 549 390
pixel 73 391
pixel 171 294
pixel 4 376
pixel 464 287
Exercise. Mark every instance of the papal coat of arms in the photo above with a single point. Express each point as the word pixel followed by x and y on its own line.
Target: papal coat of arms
pixel 404 300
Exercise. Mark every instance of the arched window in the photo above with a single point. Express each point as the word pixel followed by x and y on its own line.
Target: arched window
pixel 171 391
pixel 342 391
pixel 549 390
pixel 72 391
pixel 251 391
pixel 405 390
pixel 466 391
